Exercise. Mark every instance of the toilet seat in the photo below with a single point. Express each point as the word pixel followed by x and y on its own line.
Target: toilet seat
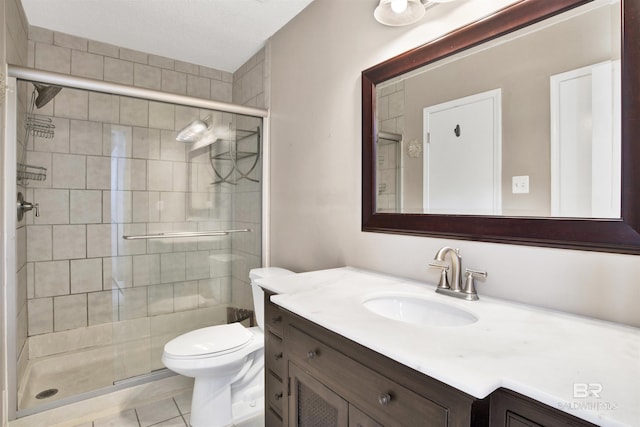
pixel 209 342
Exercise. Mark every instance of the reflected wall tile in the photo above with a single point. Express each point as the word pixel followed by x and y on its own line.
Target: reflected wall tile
pixel 51 278
pixel 180 172
pixel 54 206
pixel 104 107
pixel 40 315
pixel 117 272
pixel 160 299
pixel 132 174
pixel 101 240
pixel 116 206
pixel 68 171
pixel 159 176
pixel 146 76
pixel 60 141
pixel 132 303
pixel 69 312
pixel 154 206
pixel 85 207
pixel 146 143
pixel 173 207
pixel 86 275
pixel 172 267
pixel 140 209
pixel 85 137
pixel 185 296
pixel 72 104
pixel 146 270
pixel 170 149
pixel 53 58
pixel 102 306
pixel 40 243
pixel 209 293
pixel 134 111
pixel 69 241
pixel 161 115
pixel 85 64
pixel 118 71
pixel 117 141
pixel 99 173
pixel 197 265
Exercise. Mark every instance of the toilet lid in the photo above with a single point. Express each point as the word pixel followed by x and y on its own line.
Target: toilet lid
pixel 213 339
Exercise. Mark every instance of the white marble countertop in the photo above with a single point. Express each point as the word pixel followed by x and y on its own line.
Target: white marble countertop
pixel 552 357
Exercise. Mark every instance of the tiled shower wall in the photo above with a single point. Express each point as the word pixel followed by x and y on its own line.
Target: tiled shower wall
pixel 390 112
pixel 113 151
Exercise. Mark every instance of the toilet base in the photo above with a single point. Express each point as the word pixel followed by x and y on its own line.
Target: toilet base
pixel 211 402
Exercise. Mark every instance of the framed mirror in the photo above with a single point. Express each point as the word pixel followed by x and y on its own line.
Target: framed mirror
pixel 520 128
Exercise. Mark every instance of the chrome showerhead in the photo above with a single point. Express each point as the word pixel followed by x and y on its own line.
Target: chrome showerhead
pixel 45 93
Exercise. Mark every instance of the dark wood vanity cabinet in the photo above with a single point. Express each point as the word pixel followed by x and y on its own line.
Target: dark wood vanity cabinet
pixel 315 377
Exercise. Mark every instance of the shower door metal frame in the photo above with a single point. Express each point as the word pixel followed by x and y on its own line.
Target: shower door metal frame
pixel 16 73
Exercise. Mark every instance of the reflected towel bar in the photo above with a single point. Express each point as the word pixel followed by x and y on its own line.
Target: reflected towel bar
pixel 178 234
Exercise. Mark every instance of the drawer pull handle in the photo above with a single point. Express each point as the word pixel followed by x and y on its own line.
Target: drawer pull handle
pixel 278 396
pixel 384 399
pixel 311 354
pixel 277 356
pixel 276 319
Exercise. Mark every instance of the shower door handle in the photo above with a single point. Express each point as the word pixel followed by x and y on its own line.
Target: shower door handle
pixel 25 207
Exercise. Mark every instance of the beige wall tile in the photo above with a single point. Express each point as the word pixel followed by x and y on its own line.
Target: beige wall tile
pixel 117 272
pixel 39 34
pixel 173 207
pixel 170 149
pixel 59 342
pixel 172 267
pixel 104 107
pixel 54 206
pixel 40 316
pixel 69 241
pixel 118 71
pixel 132 358
pixel 161 115
pixel 40 243
pixel 185 296
pixel 221 91
pixel 146 270
pixel 53 58
pixel 117 141
pixel 197 265
pixel 69 312
pixel 60 141
pixel 159 176
pixel 67 40
pixel 210 73
pixel 85 207
pixel 72 104
pixel 209 292
pixel 99 238
pixel 161 62
pixel 132 174
pixel 131 247
pixel 174 82
pixel 102 306
pixel 85 64
pixel 103 49
pixel 160 299
pixel 147 76
pixel 140 206
pixel 85 137
pixel 51 278
pixel 180 176
pixel 199 87
pixel 68 171
pixel 132 303
pixel 116 206
pixel 134 112
pixel 99 172
pixel 146 143
pixel 133 55
pixel 86 275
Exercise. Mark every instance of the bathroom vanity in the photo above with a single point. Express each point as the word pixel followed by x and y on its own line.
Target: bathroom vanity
pixel 326 360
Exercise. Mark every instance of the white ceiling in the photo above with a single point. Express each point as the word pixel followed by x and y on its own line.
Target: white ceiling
pixel 221 34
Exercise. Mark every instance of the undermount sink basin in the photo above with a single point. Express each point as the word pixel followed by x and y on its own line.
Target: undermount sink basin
pixel 418 311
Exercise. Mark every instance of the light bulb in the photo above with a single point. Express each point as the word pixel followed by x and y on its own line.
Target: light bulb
pixel 398 6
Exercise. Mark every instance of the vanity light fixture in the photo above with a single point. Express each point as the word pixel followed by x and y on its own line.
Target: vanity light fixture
pixel 399 12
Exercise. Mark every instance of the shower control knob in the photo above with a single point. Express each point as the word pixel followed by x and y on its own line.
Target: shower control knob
pixel 26 207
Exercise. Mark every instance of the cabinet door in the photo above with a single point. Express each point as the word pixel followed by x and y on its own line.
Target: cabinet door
pixel 357 418
pixel 312 404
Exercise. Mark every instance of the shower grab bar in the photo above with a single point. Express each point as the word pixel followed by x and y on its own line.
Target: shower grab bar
pixel 178 234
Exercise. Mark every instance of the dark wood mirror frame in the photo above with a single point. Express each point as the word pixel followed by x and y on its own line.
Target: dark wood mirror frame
pixel 618 235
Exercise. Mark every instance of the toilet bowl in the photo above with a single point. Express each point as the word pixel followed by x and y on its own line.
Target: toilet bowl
pixel 227 363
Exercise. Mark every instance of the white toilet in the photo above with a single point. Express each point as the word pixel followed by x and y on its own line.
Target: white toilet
pixel 227 362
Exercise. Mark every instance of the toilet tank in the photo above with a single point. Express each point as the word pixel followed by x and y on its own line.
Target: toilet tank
pixel 258 294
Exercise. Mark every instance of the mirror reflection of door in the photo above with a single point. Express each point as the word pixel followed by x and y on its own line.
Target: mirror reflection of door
pixel 462 155
pixel 585 142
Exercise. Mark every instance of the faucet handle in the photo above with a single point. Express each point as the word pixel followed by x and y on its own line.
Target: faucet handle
pixel 469 284
pixel 444 267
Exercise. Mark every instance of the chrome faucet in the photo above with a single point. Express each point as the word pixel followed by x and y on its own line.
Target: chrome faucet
pixel 455 288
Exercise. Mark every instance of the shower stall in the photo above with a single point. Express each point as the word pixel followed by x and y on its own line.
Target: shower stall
pixel 138 217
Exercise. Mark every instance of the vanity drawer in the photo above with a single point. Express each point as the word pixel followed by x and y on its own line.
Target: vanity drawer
pixel 381 398
pixel 273 317
pixel 271 419
pixel 273 354
pixel 275 392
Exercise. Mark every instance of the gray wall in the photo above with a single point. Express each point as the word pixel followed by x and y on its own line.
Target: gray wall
pixel 316 166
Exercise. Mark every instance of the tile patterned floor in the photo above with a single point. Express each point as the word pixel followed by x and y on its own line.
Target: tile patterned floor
pixel 171 412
